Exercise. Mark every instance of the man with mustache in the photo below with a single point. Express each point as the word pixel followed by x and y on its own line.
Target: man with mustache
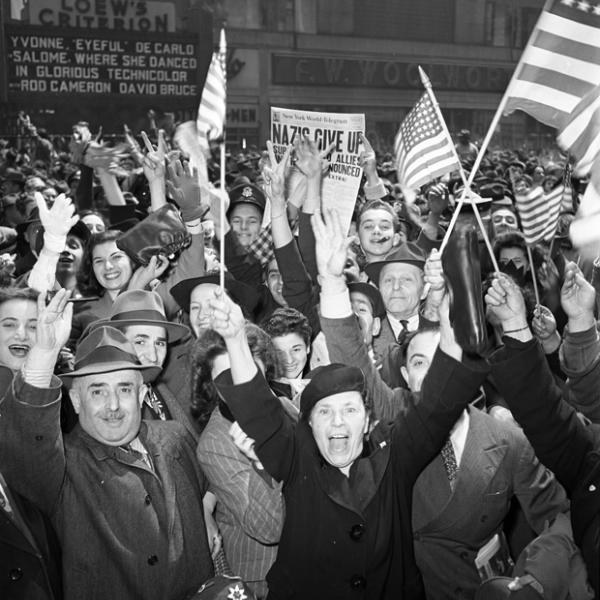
pixel 124 495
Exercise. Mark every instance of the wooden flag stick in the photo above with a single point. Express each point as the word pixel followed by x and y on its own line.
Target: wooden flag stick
pixel 427 83
pixel 533 277
pixel 222 52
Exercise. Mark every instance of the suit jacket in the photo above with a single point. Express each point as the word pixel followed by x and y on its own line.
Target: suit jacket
pixel 559 438
pixel 127 531
pixel 250 505
pixel 350 536
pixel 387 339
pixel 29 553
pixel 177 378
pixel 450 526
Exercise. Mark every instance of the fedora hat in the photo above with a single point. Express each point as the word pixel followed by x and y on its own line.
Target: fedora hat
pixel 241 293
pixel 140 307
pixel 372 294
pixel 408 252
pixel 105 350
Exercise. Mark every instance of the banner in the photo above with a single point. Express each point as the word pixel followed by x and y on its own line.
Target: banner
pixel 341 184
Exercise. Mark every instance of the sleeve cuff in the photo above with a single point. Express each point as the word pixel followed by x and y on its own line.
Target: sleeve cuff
pixel 375 191
pixel 336 306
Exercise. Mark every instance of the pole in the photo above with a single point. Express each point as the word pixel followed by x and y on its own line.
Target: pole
pixel 222 53
pixel 427 83
pixel 533 277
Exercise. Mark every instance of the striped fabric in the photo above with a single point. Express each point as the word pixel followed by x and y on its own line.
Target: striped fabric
pixel 539 213
pixel 580 137
pixel 211 112
pixel 250 506
pixel 423 149
pixel 560 64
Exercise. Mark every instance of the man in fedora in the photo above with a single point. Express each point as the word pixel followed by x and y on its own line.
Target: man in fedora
pixel 124 495
pixel 140 315
pixel 400 279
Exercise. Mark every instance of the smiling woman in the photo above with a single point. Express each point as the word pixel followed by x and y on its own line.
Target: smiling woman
pixel 18 322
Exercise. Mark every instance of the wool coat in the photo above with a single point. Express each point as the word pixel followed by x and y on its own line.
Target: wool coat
pixel 351 537
pixel 127 531
pixel 560 439
pixel 29 553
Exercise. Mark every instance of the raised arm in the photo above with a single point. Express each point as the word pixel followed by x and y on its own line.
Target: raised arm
pixel 580 350
pixel 342 332
pixel 254 406
pixel 57 222
pixel 31 447
pixel 559 438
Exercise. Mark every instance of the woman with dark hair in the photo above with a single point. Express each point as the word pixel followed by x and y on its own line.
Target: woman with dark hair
pixel 291 335
pixel 250 506
pixel 106 271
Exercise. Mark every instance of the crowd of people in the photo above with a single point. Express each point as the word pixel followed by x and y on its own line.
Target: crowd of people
pixel 349 414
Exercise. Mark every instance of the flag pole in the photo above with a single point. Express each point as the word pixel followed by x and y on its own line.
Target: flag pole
pixel 222 53
pixel 533 276
pixel 427 83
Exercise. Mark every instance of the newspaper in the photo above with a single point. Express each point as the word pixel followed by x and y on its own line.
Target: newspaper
pixel 342 182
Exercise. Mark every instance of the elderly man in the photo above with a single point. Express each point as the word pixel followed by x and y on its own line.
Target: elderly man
pixel 124 495
pixel 399 278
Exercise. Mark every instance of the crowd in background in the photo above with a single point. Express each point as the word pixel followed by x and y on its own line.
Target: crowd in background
pixel 358 415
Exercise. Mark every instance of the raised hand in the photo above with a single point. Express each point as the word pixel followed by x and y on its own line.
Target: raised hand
pixel 438 198
pixel 309 160
pixel 367 159
pixel 226 316
pixel 331 244
pixel 98 156
pixel 58 219
pixel 436 284
pixel 184 187
pixel 134 147
pixel 505 301
pixel 53 322
pixel 578 298
pixel 143 276
pixel 274 177
pixel 154 161
pixel 543 323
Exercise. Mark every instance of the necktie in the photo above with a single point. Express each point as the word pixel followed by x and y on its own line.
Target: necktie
pixel 449 460
pixel 4 503
pixel 403 332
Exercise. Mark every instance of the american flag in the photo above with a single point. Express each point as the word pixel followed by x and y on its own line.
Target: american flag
pixel 424 150
pixel 211 112
pixel 580 136
pixel 560 64
pixel 539 213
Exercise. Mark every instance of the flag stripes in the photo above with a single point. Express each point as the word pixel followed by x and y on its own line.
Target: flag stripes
pixel 560 64
pixel 423 150
pixel 210 121
pixel 580 137
pixel 539 213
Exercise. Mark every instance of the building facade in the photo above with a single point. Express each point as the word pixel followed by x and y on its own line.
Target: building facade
pixel 363 56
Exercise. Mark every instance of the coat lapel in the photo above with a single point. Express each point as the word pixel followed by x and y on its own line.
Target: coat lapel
pixel 481 458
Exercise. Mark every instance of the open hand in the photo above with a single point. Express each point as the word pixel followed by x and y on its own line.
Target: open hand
pixel 331 244
pixel 54 321
pixel 59 218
